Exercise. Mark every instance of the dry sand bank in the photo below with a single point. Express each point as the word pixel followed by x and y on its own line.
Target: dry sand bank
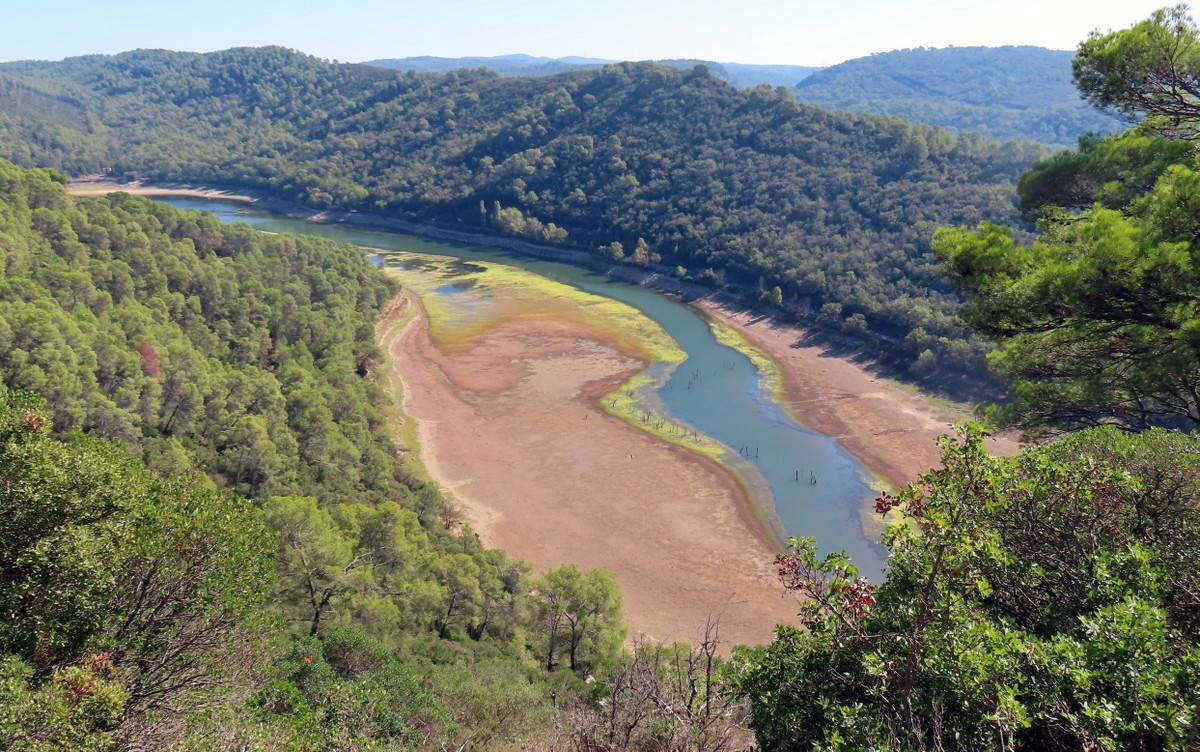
pixel 509 423
pixel 101 187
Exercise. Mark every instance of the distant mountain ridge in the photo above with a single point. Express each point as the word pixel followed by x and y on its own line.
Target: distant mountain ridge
pixel 1013 92
pixel 739 74
pixel 1003 92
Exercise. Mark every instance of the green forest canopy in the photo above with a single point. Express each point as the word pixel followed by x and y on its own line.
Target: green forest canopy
pixel 1098 321
pixel 744 187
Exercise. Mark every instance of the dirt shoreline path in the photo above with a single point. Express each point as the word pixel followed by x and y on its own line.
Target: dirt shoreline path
pixel 890 428
pixel 509 424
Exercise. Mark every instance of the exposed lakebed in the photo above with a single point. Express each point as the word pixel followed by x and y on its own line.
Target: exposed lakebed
pixel 713 400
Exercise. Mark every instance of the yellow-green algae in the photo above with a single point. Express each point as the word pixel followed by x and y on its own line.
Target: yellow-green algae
pixel 464 299
pixel 631 403
pixel 767 368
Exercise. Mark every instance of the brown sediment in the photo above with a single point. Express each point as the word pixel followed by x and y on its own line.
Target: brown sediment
pixel 509 423
pixel 97 186
pixel 890 428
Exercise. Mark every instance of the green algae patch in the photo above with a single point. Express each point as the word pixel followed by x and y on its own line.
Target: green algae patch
pixel 632 403
pixel 465 299
pixel 768 369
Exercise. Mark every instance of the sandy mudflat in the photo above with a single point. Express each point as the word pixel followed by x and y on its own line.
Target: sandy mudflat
pixel 98 187
pixel 890 428
pixel 509 423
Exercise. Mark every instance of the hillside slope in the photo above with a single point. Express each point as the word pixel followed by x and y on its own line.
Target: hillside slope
pixel 747 189
pixel 1003 92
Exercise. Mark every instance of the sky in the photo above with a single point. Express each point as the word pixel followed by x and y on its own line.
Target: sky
pixel 797 32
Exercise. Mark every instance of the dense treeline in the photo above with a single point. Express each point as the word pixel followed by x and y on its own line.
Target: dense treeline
pixel 198 345
pixel 44 128
pixel 121 594
pixel 1002 92
pixel 1099 320
pixel 636 161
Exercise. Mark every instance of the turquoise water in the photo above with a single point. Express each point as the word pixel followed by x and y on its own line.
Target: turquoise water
pixel 717 391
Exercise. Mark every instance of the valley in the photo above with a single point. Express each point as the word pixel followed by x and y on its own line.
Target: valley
pixel 545 404
pixel 574 363
pixel 582 366
pixel 673 526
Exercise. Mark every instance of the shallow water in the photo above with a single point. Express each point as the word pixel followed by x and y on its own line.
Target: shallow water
pixel 817 488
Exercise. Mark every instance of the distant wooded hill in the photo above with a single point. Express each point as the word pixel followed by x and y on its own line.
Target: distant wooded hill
pixel 1003 92
pixel 738 74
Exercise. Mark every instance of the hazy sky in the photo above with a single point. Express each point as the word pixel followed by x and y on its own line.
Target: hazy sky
pixel 802 32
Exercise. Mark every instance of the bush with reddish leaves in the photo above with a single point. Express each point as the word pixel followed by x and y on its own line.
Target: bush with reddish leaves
pixel 149 359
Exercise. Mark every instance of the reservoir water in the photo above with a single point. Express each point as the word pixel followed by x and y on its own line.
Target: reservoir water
pixel 717 391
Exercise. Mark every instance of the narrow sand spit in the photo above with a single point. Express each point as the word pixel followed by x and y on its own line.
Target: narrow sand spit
pixel 509 423
pixel 94 186
pixel 891 429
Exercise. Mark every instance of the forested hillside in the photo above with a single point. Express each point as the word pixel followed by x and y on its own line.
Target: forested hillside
pixel 636 162
pixel 39 127
pixel 155 366
pixel 1002 92
pixel 202 346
